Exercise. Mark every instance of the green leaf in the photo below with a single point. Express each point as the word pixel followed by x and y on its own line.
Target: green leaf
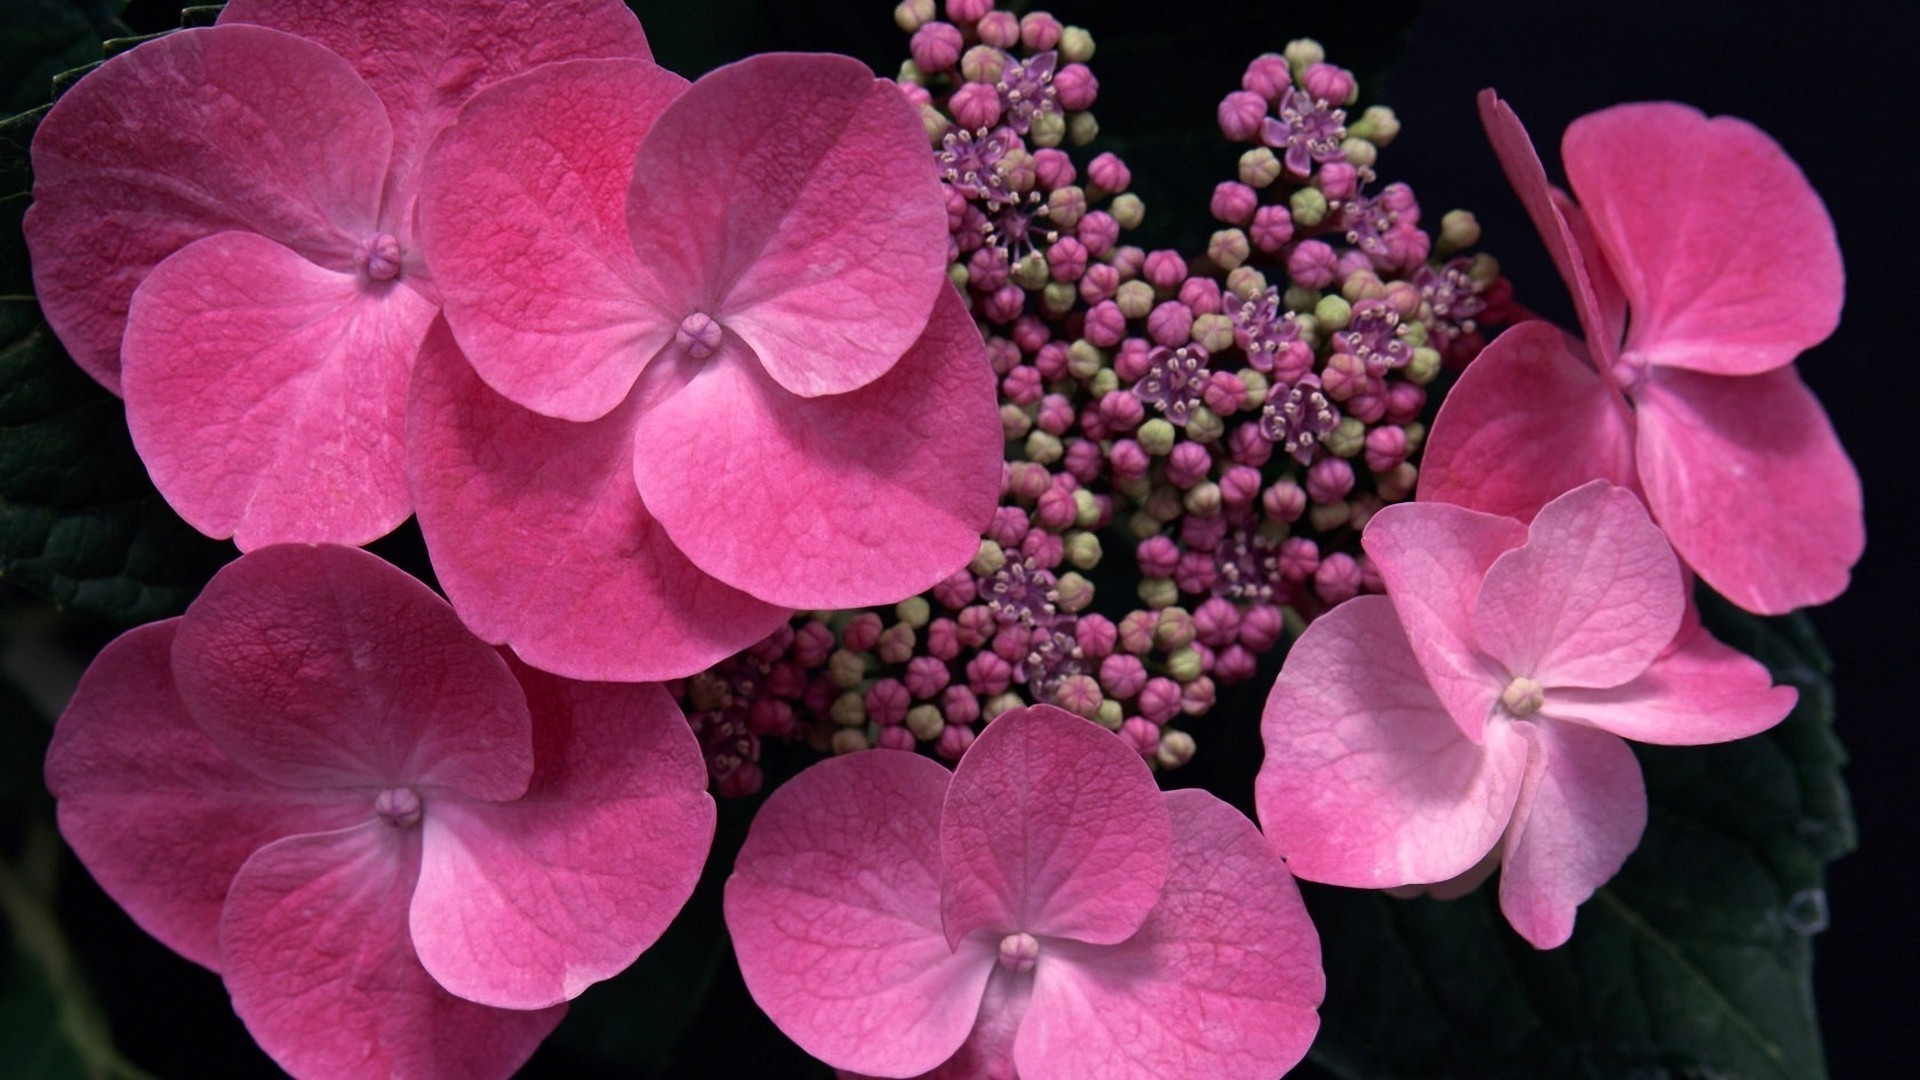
pixel 80 523
pixel 1696 960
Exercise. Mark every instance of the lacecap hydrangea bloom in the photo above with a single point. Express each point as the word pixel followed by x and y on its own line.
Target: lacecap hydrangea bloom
pixel 223 233
pixel 402 852
pixel 1476 715
pixel 1701 263
pixel 702 364
pixel 1043 910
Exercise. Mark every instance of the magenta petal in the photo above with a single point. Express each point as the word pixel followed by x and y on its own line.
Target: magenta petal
pixel 425 57
pixel 1752 486
pixel 815 228
pixel 1580 815
pixel 1433 557
pixel 1527 421
pixel 1367 780
pixel 201 131
pixel 327 667
pixel 525 904
pixel 830 502
pixel 161 818
pixel 1725 252
pixel 1052 827
pixel 1223 980
pixel 523 217
pixel 1589 600
pixel 1702 692
pixel 267 395
pixel 322 973
pixel 834 911
pixel 541 541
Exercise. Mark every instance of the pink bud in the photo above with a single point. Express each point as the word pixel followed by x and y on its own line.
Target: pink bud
pixel 1404 402
pixel 1078 694
pixel 1052 168
pixel 1235 664
pixel 1141 734
pixel 1188 464
pixel 861 632
pixel 894 738
pixel 786 680
pixel 966 12
pixel 975 625
pixel 774 645
pixel 769 717
pixel 1201 295
pixel 1170 323
pixel 1029 480
pixel 1344 376
pixel 987 270
pixel 1386 447
pixel 887 702
pixel 1045 550
pixel 1284 501
pixel 1248 447
pixel 1004 304
pixel 958 705
pixel 1325 82
pixel 1299 558
pixel 1224 393
pixel 1241 113
pixel 943 641
pixel 954 739
pixel 1128 259
pixel 1055 415
pixel 1083 460
pixel 1109 173
pixel 1240 485
pixel 1022 386
pixel 1165 269
pixel 1097 282
pixel 956 591
pixel 1329 480
pixel 1159 699
pixel 1156 556
pixel 1000 29
pixel 1202 533
pixel 1272 228
pixel 935 47
pixel 989 674
pixel 743 780
pixel 1128 459
pixel 1196 572
pixel 1338 181
pixel 1008 527
pixel 1039 31
pixel 1216 622
pixel 1105 324
pixel 1311 265
pixel 812 644
pixel 1123 412
pixel 1234 202
pixel 1338 578
pixel 1067 259
pixel 975 106
pixel 1098 230
pixel 1268 76
pixel 926 676
pixel 1292 363
pixel 1261 627
pixel 1050 360
pixel 1076 87
pixel 1197 696
pixel 1133 360
pixel 1136 630
pixel 1096 635
pixel 1055 510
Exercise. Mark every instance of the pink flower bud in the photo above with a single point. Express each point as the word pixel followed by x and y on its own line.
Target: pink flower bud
pixel 943 640
pixel 1292 363
pixel 812 644
pixel 1271 229
pixel 1170 323
pixel 1039 31
pixel 1136 630
pixel 1216 622
pixel 1141 734
pixel 975 624
pixel 1128 259
pixel 1234 202
pixel 1133 360
pixel 1240 485
pixel 1000 29
pixel 1105 324
pixel 1338 181
pixel 1098 230
pixel 1329 480
pixel 1156 556
pixel 1076 87
pixel 1160 700
pixel 1352 263
pixel 1196 572
pixel 1344 376
pixel 1311 265
pixel 1333 85
pixel 1022 386
pixel 1096 635
pixel 987 270
pixel 1261 627
pixel 1029 480
pixel 1188 464
pixel 926 676
pixel 741 781
pixel 1055 510
pixel 1050 360
pixel 1268 76
pixel 894 738
pixel 988 674
pixel 861 632
pixel 1235 664
pixel 1197 696
pixel 959 705
pixel 1201 295
pixel 1123 412
pixel 772 647
pixel 1045 550
pixel 975 106
pixel 769 717
pixel 935 47
pixel 967 12
pixel 887 702
pixel 1202 533
pixel 1241 113
pixel 1338 578
pixel 1084 460
pixel 1004 304
pixel 1067 259
pixel 1299 558
pixel 1386 447
pixel 1097 282
pixel 956 591
pixel 1404 402
pixel 1285 500
pixel 1225 394
pixel 1109 174
pixel 1165 269
pixel 1078 694
pixel 1008 527
pixel 955 738
pixel 1127 459
pixel 1247 447
pixel 1055 415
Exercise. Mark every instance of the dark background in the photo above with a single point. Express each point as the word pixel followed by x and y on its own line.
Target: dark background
pixel 1833 83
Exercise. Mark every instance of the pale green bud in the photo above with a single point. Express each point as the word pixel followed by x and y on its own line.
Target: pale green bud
pixel 1158 592
pixel 1214 332
pixel 1110 715
pixel 1203 499
pixel 988 560
pixel 1184 665
pixel 1300 301
pixel 1424 366
pixel 911 75
pixel 1134 298
pixel 1259 167
pixel 1128 210
pixel 1058 298
pixel 1458 229
pixel 1257 386
pixel 911 15
pixel 1065 205
pixel 957 273
pixel 1085 510
pixel 1301 54
pixel 1361 154
pixel 1416 436
pixel 1333 312
pixel 1014 421
pixel 993 707
pixel 1378 125
pixel 1082 129
pixel 1142 524
pixel 1083 550
pixel 1203 426
pixel 1228 248
pixel 850 740
pixel 1043 447
pixel 933 123
pixel 1246 283
pixel 1484 270
pixel 1073 592
pixel 1084 358
pixel 1048 129
pixel 925 722
pixel 1308 207
pixel 1363 285
pixel 1163 502
pixel 1176 749
pixel 1414 333
pixel 1156 436
pixel 1031 271
pixel 846 668
pixel 1397 483
pixel 1076 45
pixel 914 611
pixel 849 709
pixel 1104 382
pixel 1347 439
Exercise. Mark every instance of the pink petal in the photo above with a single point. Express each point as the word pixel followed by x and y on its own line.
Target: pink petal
pixel 1367 780
pixel 327 667
pixel 988 1051
pixel 1527 421
pixel 523 216
pixel 525 904
pixel 1702 692
pixel 425 57
pixel 816 230
pixel 1580 815
pixel 1223 979
pixel 1752 486
pixel 161 818
pixel 1726 254
pixel 1576 262
pixel 321 971
pixel 541 542
pixel 830 502
pixel 1589 600
pixel 834 911
pixel 1054 828
pixel 195 133
pixel 267 395
pixel 1432 557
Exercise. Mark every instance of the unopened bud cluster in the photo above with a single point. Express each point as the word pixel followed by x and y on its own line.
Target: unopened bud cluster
pixel 1228 420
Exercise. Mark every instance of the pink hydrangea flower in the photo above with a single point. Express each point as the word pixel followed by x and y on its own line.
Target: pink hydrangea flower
pixel 1478 711
pixel 222 232
pixel 1043 910
pixel 401 851
pixel 1708 236
pixel 704 367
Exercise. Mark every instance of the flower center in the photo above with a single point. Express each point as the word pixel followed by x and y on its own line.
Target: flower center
pixel 1523 697
pixel 1018 953
pixel 398 807
pixel 380 257
pixel 1630 373
pixel 698 335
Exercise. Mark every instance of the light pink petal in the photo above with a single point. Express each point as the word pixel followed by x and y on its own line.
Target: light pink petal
pixel 830 502
pixel 327 667
pixel 1610 304
pixel 1701 692
pixel 425 58
pixel 1527 420
pixel 1367 780
pixel 1222 981
pixel 267 395
pixel 1580 815
pixel 161 818
pixel 541 542
pixel 523 216
pixel 525 904
pixel 1576 262
pixel 1752 486
pixel 201 131
pixel 1052 827
pixel 988 1051
pixel 1725 253
pixel 1589 600
pixel 321 971
pixel 1432 557
pixel 834 911
pixel 815 230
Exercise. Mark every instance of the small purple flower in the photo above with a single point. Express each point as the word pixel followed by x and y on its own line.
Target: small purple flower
pixel 970 164
pixel 1309 131
pixel 1026 89
pixel 1372 336
pixel 1262 328
pixel 1247 568
pixel 1297 417
pixel 1175 381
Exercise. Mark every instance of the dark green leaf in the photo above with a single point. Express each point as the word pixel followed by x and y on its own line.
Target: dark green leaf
pixel 1695 961
pixel 45 38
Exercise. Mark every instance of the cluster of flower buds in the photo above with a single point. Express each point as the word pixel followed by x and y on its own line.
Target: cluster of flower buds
pixel 1230 419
